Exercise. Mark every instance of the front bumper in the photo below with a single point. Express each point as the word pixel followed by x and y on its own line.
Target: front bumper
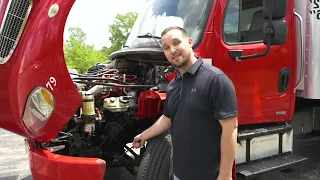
pixel 45 165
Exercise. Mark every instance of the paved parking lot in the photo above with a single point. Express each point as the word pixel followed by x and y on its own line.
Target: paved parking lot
pixel 13 157
pixel 307 146
pixel 14 164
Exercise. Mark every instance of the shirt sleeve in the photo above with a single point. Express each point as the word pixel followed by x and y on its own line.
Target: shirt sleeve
pixel 166 111
pixel 165 108
pixel 223 97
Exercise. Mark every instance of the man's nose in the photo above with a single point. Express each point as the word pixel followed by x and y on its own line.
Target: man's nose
pixel 173 50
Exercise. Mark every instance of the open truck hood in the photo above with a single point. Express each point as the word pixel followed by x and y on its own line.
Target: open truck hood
pixel 36 61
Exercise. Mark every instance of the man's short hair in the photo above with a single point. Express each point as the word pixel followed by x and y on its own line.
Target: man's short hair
pixel 184 32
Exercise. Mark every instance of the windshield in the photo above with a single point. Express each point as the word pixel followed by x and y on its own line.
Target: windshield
pixel 160 14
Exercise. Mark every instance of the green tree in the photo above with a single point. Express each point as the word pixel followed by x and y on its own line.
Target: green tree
pixel 120 30
pixel 80 55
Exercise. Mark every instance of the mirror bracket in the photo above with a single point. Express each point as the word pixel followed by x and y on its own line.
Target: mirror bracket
pixel 269 32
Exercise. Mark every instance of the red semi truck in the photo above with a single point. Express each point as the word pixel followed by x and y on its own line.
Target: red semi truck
pixel 79 126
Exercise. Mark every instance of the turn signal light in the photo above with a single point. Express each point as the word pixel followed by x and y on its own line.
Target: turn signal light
pixel 39 107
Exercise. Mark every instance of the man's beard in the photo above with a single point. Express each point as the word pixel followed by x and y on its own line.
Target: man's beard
pixel 183 62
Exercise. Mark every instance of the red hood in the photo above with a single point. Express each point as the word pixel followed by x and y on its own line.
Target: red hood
pixel 37 57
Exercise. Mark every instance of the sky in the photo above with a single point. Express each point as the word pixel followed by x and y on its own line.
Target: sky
pixel 94 17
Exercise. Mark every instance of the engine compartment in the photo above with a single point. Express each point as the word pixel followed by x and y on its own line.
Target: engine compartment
pixel 120 100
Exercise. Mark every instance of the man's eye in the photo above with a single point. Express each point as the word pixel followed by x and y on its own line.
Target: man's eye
pixel 176 43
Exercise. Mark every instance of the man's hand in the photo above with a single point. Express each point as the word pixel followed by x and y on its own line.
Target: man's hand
pixel 138 141
pixel 161 125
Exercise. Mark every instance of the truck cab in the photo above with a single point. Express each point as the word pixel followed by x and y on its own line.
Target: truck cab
pixel 81 124
pixel 254 43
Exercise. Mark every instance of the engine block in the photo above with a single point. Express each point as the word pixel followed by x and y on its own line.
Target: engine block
pixel 118 104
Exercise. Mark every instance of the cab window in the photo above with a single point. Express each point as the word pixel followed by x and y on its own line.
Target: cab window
pixel 243 22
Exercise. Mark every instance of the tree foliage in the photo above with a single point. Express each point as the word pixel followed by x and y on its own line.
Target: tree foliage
pixel 79 55
pixel 120 30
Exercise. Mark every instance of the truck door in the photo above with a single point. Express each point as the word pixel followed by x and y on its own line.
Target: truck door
pixel 263 84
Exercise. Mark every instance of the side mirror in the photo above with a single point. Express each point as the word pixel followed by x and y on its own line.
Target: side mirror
pixel 277 9
pixel 276 29
pixel 280 32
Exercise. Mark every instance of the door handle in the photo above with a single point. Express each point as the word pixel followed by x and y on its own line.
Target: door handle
pixel 284 79
pixel 236 54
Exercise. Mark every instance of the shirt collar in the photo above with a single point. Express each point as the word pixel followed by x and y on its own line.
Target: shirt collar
pixel 193 68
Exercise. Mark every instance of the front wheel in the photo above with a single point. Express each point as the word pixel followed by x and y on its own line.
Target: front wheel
pixel 157 161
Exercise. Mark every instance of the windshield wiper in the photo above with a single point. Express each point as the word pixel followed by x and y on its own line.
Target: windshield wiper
pixel 149 35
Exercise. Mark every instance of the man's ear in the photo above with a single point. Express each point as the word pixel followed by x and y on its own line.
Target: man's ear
pixel 190 42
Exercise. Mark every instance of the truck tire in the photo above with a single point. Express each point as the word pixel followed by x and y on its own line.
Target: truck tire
pixel 157 161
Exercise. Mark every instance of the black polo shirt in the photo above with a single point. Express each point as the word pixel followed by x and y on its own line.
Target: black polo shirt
pixel 195 103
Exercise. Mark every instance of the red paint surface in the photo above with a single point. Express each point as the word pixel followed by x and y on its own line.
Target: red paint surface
pixel 45 165
pixel 255 79
pixel 292 27
pixel 150 104
pixel 38 56
pixel 171 76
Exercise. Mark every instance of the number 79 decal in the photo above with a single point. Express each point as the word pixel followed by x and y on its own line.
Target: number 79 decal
pixel 51 83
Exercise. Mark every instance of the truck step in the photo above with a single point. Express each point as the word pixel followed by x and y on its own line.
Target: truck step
pixel 251 170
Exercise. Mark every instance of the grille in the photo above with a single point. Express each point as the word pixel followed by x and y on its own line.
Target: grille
pixel 12 27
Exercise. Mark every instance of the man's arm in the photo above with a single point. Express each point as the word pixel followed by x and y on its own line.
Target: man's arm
pixel 228 145
pixel 225 106
pixel 160 126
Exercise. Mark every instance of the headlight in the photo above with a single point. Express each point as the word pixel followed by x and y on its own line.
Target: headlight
pixel 39 107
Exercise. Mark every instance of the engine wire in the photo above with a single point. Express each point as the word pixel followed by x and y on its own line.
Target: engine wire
pixel 116 85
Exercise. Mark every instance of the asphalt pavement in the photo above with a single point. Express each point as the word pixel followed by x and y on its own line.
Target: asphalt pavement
pixel 13 157
pixel 307 146
pixel 14 161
